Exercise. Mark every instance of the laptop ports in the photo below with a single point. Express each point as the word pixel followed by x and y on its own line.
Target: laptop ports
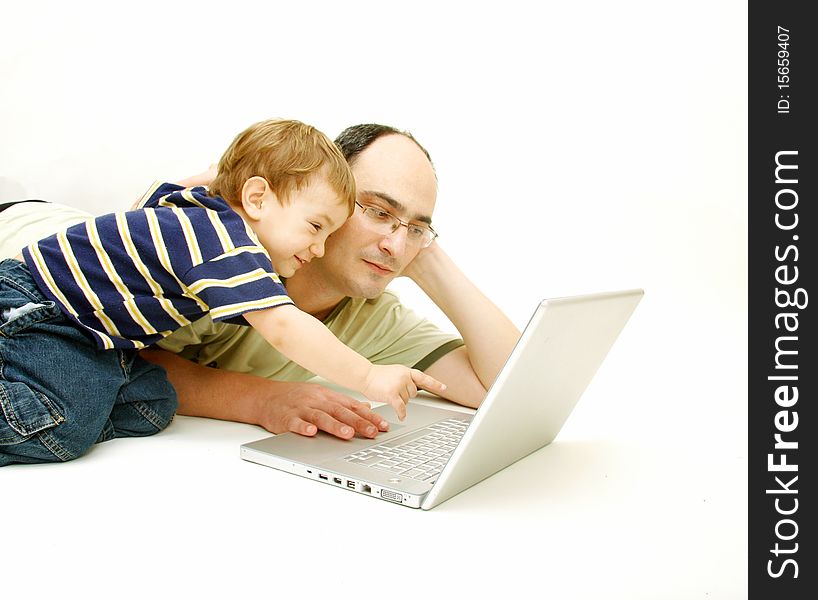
pixel 350 484
pixel 324 477
pixel 390 495
pixel 336 480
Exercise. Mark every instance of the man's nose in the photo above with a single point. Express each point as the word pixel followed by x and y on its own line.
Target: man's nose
pixel 394 244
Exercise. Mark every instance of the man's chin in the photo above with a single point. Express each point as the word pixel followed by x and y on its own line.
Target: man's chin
pixel 370 292
pixel 369 287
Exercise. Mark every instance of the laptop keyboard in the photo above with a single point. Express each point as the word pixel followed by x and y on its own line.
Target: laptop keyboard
pixel 420 455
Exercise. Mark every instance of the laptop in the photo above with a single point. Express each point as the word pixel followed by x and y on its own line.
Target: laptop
pixel 437 453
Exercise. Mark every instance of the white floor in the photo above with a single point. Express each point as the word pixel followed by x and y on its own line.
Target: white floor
pixel 643 495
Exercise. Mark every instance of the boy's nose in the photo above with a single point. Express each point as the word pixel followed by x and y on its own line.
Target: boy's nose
pixel 317 250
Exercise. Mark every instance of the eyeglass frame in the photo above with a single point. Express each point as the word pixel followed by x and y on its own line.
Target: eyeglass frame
pixel 400 222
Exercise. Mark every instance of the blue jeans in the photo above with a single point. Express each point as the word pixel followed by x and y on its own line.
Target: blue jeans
pixel 60 394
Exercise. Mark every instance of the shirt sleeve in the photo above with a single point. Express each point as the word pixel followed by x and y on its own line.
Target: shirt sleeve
pixel 236 283
pixel 385 331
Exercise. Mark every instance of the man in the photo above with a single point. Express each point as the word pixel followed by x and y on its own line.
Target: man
pixel 397 190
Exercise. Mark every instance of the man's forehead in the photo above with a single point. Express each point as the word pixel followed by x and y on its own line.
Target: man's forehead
pixel 393 167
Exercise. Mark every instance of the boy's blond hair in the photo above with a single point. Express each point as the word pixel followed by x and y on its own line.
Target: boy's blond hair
pixel 286 153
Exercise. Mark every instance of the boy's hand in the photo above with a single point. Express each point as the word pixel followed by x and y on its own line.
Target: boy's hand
pixel 395 384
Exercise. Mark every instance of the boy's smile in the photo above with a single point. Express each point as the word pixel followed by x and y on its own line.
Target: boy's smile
pixel 295 231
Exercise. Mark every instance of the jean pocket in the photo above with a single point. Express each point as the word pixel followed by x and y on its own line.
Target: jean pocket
pixel 13 320
pixel 25 413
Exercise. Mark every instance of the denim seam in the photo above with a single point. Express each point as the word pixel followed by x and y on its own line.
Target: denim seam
pixel 51 408
pixel 27 320
pixel 22 289
pixel 11 416
pixel 54 446
pixel 108 432
pixel 123 364
pixel 153 417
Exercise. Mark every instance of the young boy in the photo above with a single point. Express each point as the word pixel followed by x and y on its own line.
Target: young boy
pixel 75 313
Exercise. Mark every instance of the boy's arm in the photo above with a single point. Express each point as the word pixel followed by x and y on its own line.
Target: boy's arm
pixel 305 340
pixel 278 406
pixel 489 335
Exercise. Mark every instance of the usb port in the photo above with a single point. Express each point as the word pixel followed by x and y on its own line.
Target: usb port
pixel 337 480
pixel 351 484
pixel 324 477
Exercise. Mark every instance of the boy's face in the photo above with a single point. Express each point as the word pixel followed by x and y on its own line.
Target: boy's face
pixel 293 233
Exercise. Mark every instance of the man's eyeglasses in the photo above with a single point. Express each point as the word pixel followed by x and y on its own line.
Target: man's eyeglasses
pixel 385 223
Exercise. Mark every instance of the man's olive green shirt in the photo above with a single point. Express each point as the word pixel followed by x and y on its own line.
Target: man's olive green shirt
pixel 381 329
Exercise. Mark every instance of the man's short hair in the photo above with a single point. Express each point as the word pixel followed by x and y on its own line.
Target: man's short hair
pixel 286 153
pixel 354 140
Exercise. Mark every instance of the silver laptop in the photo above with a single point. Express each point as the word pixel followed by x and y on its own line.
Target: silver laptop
pixel 436 453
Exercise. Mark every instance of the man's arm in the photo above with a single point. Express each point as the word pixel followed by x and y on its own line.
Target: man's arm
pixel 203 178
pixel 489 335
pixel 278 406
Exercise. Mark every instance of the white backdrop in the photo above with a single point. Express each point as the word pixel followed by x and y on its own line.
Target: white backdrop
pixel 580 147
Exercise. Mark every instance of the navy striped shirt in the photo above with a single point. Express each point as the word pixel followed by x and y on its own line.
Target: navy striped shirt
pixel 133 278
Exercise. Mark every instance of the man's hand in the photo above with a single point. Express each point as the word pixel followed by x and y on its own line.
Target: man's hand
pixel 204 178
pixel 304 408
pixel 488 334
pixel 414 269
pixel 278 406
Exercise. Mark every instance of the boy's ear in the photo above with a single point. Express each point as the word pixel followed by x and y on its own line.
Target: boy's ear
pixel 254 193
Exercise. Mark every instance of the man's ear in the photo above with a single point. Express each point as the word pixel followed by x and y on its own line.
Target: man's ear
pixel 254 193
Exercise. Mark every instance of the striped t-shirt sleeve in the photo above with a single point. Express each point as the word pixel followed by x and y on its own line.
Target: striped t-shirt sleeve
pixel 237 282
pixel 239 279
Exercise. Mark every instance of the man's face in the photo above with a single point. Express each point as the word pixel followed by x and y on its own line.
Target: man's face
pixel 394 175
